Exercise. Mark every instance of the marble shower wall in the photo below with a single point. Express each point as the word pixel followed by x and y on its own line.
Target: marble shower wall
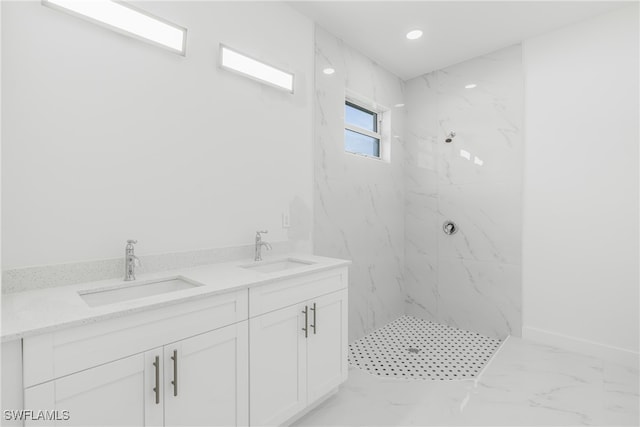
pixel 471 279
pixel 358 201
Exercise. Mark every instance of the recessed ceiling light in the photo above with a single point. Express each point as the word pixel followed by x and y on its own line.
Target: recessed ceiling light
pixel 470 86
pixel 415 34
pixel 399 105
pixel 126 19
pixel 328 71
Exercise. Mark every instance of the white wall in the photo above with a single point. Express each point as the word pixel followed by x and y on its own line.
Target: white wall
pixel 580 230
pixel 106 138
pixel 359 201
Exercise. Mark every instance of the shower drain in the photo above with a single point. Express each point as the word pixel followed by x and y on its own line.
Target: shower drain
pixel 412 348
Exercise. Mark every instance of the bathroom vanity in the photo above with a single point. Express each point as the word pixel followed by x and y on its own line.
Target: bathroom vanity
pixel 224 344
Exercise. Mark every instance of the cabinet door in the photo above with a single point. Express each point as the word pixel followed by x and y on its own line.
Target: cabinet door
pixel 12 396
pixel 277 366
pixel 327 344
pixel 153 388
pixel 107 395
pixel 206 379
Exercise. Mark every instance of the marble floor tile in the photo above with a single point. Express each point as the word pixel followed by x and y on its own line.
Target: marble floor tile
pixel 525 384
pixel 621 394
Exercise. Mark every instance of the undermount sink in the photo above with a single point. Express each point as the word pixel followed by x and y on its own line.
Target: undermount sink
pixel 277 265
pixel 132 290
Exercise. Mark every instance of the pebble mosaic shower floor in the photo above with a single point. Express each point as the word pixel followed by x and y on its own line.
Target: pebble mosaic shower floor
pixel 412 348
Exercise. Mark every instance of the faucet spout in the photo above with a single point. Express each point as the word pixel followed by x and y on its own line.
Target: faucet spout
pixel 259 244
pixel 131 261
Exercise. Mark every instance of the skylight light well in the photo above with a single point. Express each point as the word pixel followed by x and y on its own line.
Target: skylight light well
pixel 126 19
pixel 254 69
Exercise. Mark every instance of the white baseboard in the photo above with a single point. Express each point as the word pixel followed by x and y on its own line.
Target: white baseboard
pixel 619 355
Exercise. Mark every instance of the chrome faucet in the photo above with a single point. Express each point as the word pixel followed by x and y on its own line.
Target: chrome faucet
pixel 260 244
pixel 131 261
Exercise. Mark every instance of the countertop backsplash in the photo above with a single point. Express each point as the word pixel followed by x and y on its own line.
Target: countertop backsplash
pixel 46 276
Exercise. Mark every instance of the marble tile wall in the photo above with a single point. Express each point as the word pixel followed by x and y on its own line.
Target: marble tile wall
pixel 358 202
pixel 471 279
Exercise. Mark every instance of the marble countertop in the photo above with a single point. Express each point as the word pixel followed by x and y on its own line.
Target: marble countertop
pixel 33 312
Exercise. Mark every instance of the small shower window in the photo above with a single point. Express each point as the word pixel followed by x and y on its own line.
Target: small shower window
pixel 361 130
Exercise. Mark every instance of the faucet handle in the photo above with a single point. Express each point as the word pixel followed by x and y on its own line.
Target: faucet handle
pixel 263 232
pixel 132 241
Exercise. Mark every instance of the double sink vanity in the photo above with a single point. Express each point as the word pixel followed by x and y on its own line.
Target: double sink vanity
pixel 131 291
pixel 236 343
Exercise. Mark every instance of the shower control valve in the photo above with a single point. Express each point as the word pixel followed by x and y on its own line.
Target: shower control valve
pixel 450 228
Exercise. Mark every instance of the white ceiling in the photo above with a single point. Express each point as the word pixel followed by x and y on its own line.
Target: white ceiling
pixel 454 31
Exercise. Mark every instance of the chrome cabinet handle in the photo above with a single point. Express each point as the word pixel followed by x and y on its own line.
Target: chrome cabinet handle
pixel 156 389
pixel 306 321
pixel 314 318
pixel 175 372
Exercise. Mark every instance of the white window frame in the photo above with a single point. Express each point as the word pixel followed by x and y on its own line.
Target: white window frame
pixel 360 130
pixel 383 126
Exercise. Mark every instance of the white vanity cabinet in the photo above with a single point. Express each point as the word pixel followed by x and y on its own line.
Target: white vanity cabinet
pixel 109 394
pixel 327 345
pixel 11 379
pixel 198 381
pixel 201 379
pixel 212 387
pixel 298 346
pixel 259 355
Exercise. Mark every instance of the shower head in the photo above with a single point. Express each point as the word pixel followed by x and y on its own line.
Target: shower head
pixel 450 137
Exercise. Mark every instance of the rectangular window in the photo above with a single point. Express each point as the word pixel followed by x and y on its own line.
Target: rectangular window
pixel 361 130
pixel 128 20
pixel 254 69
